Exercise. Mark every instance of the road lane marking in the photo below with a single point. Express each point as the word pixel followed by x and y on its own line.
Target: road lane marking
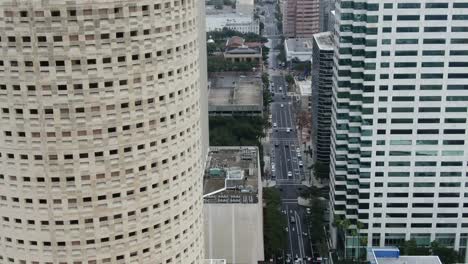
pixel 289 232
pixel 300 240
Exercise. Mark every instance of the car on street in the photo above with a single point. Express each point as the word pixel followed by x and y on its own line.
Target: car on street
pixel 275 125
pixel 301 163
pixel 276 144
pixel 288 130
pixel 282 105
pixel 289 174
pixel 286 145
pixel 280 89
pixel 304 233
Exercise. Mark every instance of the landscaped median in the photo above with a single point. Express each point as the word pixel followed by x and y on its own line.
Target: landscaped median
pixel 274 221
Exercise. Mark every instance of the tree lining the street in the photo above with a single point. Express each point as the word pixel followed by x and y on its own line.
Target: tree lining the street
pixel 289 79
pixel 236 130
pixel 274 221
pixel 267 97
pixel 321 170
pixel 239 131
pixel 282 53
pixel 315 220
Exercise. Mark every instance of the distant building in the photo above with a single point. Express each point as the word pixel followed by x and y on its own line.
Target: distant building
pixel 245 7
pixel 298 48
pixel 233 205
pixel 301 18
pixel 233 94
pixel 238 50
pixel 391 255
pixel 217 19
pixel 326 6
pixel 322 73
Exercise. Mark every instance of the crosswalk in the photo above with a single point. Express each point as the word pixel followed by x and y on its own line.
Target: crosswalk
pixel 284 140
pixel 288 181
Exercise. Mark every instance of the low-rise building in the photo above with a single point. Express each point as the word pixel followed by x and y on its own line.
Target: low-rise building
pixel 233 215
pixel 234 94
pixel 299 49
pixel 244 22
pixel 391 255
pixel 238 50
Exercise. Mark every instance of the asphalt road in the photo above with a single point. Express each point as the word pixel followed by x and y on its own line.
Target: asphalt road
pixel 286 158
pixel 269 19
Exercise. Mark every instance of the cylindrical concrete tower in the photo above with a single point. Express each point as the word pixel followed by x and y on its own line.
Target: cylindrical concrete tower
pixel 100 132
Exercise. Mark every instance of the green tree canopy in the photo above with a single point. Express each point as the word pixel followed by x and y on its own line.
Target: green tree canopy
pixel 273 223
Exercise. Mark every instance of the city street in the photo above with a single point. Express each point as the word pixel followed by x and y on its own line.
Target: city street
pixel 286 159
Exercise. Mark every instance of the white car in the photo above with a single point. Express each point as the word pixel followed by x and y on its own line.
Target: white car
pixel 288 130
pixel 275 125
pixel 289 174
pixel 282 105
pixel 300 163
pixel 299 154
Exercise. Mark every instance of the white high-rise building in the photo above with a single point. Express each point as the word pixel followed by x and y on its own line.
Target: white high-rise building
pixel 399 154
pixel 102 131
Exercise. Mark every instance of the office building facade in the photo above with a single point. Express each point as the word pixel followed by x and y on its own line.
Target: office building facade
pixel 102 138
pixel 399 134
pixel 301 18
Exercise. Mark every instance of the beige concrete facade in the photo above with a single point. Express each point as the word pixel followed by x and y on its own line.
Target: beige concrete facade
pixel 101 145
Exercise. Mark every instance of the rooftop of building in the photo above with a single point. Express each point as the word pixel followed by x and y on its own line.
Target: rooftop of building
pixel 299 44
pixel 324 40
pixel 233 88
pixel 391 255
pixel 210 10
pixel 305 86
pixel 214 261
pixel 237 45
pixel 231 170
